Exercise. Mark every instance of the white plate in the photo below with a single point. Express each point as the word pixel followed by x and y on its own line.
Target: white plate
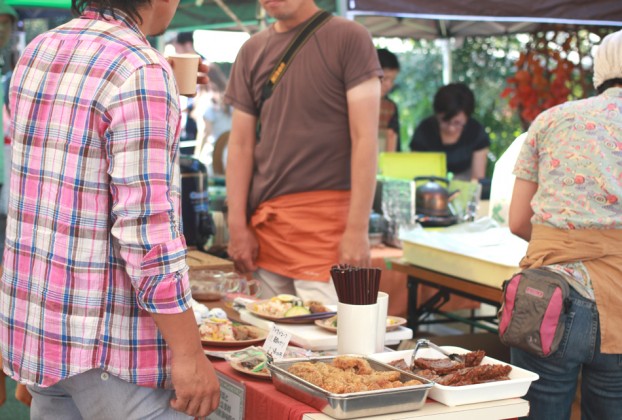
pixel 516 387
pixel 263 374
pixel 255 309
pixel 260 335
pixel 393 323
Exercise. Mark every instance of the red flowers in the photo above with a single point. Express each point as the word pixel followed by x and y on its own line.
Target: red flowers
pixel 551 71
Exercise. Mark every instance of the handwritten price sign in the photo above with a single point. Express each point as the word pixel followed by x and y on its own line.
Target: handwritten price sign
pixel 276 343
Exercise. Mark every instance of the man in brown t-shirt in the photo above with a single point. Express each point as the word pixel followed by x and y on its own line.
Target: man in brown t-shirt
pixel 299 199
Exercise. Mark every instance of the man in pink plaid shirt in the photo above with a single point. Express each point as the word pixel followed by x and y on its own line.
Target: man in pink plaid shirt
pixel 94 301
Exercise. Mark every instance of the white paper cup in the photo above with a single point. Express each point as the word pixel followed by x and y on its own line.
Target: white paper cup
pixel 356 328
pixel 381 326
pixel 185 69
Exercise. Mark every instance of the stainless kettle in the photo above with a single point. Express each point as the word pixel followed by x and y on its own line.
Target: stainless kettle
pixel 431 198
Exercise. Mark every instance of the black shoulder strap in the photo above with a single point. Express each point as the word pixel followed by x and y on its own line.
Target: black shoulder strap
pixel 294 46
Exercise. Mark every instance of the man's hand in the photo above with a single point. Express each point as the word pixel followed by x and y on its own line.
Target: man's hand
pixel 243 249
pixel 197 391
pixel 2 377
pixel 202 78
pixel 354 248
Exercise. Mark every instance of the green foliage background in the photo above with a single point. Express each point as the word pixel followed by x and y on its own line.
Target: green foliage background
pixel 482 63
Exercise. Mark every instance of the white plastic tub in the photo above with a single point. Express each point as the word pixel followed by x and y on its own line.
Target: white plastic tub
pixel 516 387
pixel 472 251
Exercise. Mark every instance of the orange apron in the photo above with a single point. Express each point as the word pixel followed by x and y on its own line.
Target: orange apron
pixel 299 234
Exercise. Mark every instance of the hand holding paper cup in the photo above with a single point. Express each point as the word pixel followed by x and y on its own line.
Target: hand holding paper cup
pixel 185 68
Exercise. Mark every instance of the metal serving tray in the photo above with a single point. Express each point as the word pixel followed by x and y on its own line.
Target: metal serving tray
pixel 357 404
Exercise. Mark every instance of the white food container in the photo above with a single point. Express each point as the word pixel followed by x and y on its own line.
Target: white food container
pixel 476 251
pixel 516 387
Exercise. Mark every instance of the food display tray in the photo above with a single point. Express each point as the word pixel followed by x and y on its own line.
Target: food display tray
pixel 351 405
pixel 516 387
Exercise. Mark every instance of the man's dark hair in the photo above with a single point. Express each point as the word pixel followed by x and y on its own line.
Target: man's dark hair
pixel 128 6
pixel 452 99
pixel 185 37
pixel 387 59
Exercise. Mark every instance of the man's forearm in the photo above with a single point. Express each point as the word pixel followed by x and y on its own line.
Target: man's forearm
pixel 180 332
pixel 363 187
pixel 240 167
pixel 363 115
pixel 238 182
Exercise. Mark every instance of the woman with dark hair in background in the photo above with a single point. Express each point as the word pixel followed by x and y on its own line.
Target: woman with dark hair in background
pixel 453 131
pixel 389 124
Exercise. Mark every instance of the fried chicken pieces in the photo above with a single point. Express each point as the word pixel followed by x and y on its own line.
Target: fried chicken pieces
pixel 316 307
pixel 348 374
pixel 452 373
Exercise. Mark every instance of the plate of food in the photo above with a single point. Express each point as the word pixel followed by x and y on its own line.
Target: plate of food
pixel 330 324
pixel 246 368
pixel 224 333
pixel 289 309
pixel 473 379
pixel 251 361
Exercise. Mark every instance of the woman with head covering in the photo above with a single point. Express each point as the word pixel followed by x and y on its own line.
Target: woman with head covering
pixel 567 204
pixel 452 130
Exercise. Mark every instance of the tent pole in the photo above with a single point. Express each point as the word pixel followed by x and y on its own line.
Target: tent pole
pixel 262 18
pixel 342 9
pixel 232 15
pixel 445 45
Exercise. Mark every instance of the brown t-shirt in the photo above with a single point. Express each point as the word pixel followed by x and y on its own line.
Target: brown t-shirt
pixel 305 138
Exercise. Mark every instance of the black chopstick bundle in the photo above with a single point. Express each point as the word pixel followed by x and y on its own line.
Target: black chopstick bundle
pixel 356 285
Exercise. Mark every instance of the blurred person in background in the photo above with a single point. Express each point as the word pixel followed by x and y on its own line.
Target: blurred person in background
pixel 567 202
pixel 184 44
pixel 216 117
pixel 453 131
pixel 300 195
pixel 389 125
pixel 95 305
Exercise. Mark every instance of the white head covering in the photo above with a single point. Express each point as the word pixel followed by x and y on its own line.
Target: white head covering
pixel 608 59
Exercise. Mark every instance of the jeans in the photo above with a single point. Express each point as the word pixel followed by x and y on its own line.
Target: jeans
pixel 551 396
pixel 97 395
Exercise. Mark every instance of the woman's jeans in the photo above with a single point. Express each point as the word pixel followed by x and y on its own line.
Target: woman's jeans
pixel 551 396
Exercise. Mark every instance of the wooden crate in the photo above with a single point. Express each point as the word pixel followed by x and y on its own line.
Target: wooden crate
pixel 199 260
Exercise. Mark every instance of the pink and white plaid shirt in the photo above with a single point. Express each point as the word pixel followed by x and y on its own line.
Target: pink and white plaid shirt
pixel 94 242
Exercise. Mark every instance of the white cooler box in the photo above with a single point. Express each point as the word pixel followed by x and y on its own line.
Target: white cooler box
pixel 480 251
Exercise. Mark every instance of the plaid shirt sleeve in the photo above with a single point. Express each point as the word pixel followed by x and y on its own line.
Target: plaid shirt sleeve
pixel 145 189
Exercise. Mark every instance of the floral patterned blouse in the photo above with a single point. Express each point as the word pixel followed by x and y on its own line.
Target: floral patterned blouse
pixel 574 153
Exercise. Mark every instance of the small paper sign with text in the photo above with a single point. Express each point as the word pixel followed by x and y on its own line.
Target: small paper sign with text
pixel 276 343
